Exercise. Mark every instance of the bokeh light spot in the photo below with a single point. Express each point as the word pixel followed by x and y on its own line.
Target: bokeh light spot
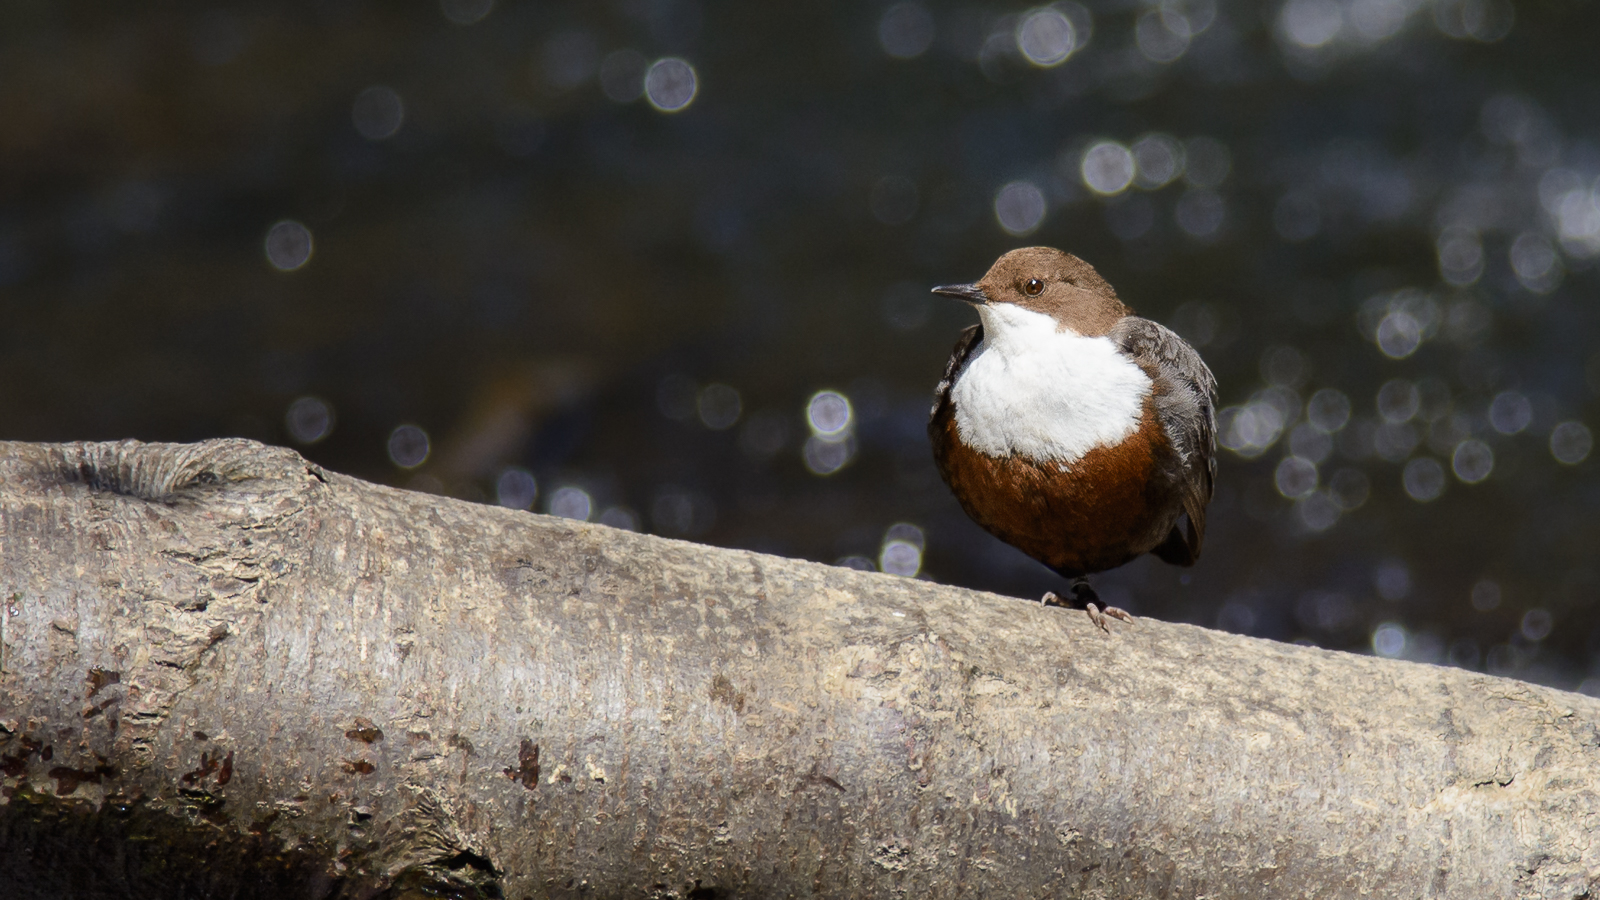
pixel 832 444
pixel 1309 442
pixel 905 30
pixel 1250 429
pixel 1020 207
pixel 1349 488
pixel 1399 334
pixel 309 420
pixel 1576 210
pixel 1389 639
pixel 828 413
pixel 1571 442
pixel 1510 412
pixel 1398 401
pixel 408 446
pixel 1472 461
pixel 825 456
pixel 1503 660
pixel 1535 262
pixel 1318 511
pixel 1399 322
pixel 1295 477
pixel 1045 37
pixel 1392 580
pixel 901 553
pixel 516 488
pixel 1423 479
pixel 1479 20
pixel 1237 617
pixel 1328 410
pixel 288 245
pixel 1107 168
pixel 571 502
pixel 620 517
pixel 377 113
pixel 1460 256
pixel 907 532
pixel 719 406
pixel 1537 624
pixel 1158 160
pixel 671 84
pixel 1310 24
pixel 682 512
pixel 1163 34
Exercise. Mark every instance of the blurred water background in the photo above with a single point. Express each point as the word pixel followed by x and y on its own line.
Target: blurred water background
pixel 664 264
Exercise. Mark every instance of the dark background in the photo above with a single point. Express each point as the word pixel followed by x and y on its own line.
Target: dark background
pixel 545 273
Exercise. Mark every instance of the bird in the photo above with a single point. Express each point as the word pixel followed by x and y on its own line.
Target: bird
pixel 1072 429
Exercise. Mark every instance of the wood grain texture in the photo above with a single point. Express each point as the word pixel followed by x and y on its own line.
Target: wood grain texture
pixel 227 672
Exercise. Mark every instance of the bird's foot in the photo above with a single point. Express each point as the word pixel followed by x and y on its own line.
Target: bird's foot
pixel 1083 593
pixel 1098 615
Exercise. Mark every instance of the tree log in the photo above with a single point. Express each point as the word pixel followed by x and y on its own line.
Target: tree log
pixel 226 671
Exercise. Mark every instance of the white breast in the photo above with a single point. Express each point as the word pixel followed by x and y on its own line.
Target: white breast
pixel 1032 389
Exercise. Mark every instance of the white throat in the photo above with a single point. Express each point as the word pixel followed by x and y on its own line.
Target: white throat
pixel 1035 389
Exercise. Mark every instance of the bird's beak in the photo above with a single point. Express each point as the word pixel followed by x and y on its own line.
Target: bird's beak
pixel 971 293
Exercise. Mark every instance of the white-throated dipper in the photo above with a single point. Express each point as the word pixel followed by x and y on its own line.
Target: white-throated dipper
pixel 1072 429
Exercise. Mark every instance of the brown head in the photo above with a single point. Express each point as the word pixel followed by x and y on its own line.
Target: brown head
pixel 1046 280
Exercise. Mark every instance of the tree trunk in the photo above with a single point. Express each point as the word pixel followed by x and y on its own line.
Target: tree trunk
pixel 227 672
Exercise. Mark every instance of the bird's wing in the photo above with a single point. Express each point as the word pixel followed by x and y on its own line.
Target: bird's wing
pixel 1186 399
pixel 969 339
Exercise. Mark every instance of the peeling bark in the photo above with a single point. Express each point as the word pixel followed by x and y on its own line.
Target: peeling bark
pixel 224 671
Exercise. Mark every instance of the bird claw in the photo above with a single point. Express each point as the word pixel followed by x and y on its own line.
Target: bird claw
pixel 1082 592
pixel 1098 615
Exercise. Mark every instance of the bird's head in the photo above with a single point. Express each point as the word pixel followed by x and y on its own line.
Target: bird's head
pixel 1044 281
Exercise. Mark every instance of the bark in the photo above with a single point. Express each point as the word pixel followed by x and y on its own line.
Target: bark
pixel 228 672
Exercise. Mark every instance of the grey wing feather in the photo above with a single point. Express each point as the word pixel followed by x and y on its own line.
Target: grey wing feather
pixel 1186 399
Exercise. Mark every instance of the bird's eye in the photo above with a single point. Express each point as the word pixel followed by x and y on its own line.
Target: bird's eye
pixel 1033 287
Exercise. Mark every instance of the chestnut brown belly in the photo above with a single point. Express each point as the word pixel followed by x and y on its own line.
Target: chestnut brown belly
pixel 1106 509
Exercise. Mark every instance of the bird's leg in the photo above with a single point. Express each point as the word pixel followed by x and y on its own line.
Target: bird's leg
pixel 1083 593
